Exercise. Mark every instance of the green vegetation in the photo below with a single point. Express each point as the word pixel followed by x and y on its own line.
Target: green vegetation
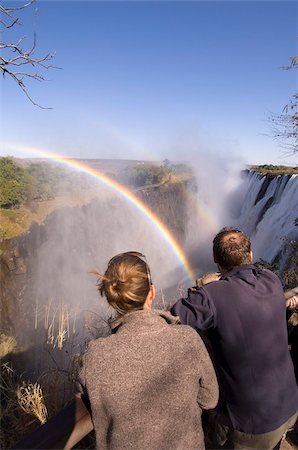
pixel 28 190
pixel 14 222
pixel 14 183
pixel 271 169
pixel 20 184
pixel 181 169
pixel 44 179
pixel 146 175
pixel 49 181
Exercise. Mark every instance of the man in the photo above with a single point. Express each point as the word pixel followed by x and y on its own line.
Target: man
pixel 245 315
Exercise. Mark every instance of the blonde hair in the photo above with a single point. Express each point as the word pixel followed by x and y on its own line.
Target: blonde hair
pixel 126 282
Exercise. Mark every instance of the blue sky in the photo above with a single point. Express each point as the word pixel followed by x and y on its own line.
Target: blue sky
pixel 155 80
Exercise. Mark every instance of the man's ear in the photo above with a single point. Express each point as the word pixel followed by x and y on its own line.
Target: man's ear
pixel 251 256
pixel 222 270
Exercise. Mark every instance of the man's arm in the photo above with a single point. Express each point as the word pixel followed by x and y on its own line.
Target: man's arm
pixel 197 310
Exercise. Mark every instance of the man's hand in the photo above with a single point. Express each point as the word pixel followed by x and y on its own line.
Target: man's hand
pixel 292 302
pixel 207 278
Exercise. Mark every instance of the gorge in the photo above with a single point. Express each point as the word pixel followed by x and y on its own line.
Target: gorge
pixel 49 301
pixel 53 259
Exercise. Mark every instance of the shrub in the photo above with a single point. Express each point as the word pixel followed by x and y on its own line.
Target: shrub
pixel 147 174
pixel 14 183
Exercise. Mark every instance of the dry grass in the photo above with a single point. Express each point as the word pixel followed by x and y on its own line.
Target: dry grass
pixel 7 345
pixel 26 405
pixel 30 399
pixel 14 222
pixel 14 423
pixel 161 302
pixel 56 321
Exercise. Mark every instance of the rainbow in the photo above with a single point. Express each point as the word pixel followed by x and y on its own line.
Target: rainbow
pixel 119 188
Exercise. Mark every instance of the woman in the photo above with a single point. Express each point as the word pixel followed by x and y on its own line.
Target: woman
pixel 148 382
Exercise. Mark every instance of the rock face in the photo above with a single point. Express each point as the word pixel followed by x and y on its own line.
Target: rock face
pixel 170 203
pixel 16 259
pixel 11 285
pixel 269 215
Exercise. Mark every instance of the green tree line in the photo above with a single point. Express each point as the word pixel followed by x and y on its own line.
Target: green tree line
pixel 148 174
pixel 36 181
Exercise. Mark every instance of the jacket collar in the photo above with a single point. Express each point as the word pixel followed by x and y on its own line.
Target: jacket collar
pixel 143 318
pixel 237 270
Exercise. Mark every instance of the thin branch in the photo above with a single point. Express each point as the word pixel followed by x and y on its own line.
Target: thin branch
pixel 293 63
pixel 21 84
pixel 7 10
pixel 284 126
pixel 10 25
pixel 25 58
pixel 15 55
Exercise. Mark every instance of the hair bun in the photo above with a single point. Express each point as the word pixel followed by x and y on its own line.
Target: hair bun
pixel 117 285
pixel 125 283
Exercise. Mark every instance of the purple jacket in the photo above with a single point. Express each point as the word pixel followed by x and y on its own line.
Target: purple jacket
pixel 245 314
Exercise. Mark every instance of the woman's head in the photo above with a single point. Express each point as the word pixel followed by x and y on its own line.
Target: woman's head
pixel 126 282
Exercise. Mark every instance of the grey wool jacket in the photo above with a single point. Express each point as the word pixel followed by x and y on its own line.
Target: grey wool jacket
pixel 148 383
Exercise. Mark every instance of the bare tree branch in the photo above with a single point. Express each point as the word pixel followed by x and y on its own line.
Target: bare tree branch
pixel 14 55
pixel 6 25
pixel 284 126
pixel 8 10
pixel 293 63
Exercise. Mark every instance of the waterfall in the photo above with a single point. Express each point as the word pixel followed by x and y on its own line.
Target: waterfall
pixel 269 215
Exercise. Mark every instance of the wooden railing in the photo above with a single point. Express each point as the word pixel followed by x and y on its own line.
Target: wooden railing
pixel 62 431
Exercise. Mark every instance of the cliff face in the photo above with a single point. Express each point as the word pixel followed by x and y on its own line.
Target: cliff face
pixel 171 203
pixel 51 261
pixel 269 214
pixel 17 270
